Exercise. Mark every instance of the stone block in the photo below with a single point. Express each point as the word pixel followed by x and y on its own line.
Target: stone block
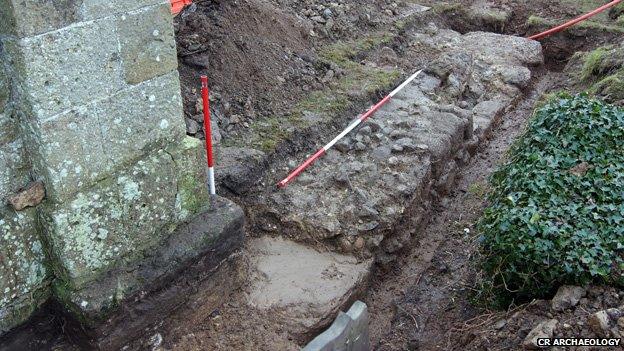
pixel 23 276
pixel 77 148
pixel 117 218
pixel 14 168
pixel 69 152
pixel 23 18
pixel 147 43
pixel 93 9
pixel 142 118
pixel 67 68
pixel 126 214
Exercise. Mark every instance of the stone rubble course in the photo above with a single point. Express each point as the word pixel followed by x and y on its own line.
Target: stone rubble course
pixel 303 287
pixel 409 153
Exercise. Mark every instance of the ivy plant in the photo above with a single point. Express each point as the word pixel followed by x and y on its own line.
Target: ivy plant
pixel 556 211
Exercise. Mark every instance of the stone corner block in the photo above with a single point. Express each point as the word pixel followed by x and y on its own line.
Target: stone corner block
pixel 126 215
pixel 78 148
pixel 147 43
pixel 193 250
pixel 67 68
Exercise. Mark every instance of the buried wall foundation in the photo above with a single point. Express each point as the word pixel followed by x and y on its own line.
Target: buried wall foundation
pixel 90 105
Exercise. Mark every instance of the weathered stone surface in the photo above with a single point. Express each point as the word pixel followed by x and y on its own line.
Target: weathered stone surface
pixel 147 43
pixel 69 152
pixel 566 297
pixel 305 288
pixel 93 9
pixel 30 196
pixel 24 18
pixel 72 151
pixel 23 276
pixel 190 254
pixel 30 17
pixel 14 168
pixel 125 214
pixel 67 68
pixel 143 118
pixel 485 114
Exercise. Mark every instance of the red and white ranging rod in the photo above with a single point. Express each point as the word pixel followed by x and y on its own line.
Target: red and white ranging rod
pixel 208 135
pixel 294 174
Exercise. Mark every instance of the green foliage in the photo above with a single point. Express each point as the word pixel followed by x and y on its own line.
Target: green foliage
pixel 557 206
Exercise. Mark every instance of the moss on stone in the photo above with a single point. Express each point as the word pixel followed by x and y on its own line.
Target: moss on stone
pixel 188 187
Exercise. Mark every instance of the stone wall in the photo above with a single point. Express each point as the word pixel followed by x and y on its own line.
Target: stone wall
pixel 90 105
pixel 24 282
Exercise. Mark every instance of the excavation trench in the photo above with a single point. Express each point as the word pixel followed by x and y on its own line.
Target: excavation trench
pixel 387 217
pixel 369 212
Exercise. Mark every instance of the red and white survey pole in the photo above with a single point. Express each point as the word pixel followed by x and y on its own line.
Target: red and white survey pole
pixel 348 130
pixel 208 135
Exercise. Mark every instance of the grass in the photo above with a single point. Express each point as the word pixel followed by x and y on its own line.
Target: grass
pixel 603 69
pixel 593 61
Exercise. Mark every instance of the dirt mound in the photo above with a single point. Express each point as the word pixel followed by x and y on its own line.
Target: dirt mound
pixel 258 57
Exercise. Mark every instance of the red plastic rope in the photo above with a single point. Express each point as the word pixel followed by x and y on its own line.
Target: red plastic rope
pixel 574 21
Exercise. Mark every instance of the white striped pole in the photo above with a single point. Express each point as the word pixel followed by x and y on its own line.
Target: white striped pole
pixel 294 174
pixel 208 135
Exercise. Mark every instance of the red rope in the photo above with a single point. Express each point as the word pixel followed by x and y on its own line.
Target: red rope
pixel 574 21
